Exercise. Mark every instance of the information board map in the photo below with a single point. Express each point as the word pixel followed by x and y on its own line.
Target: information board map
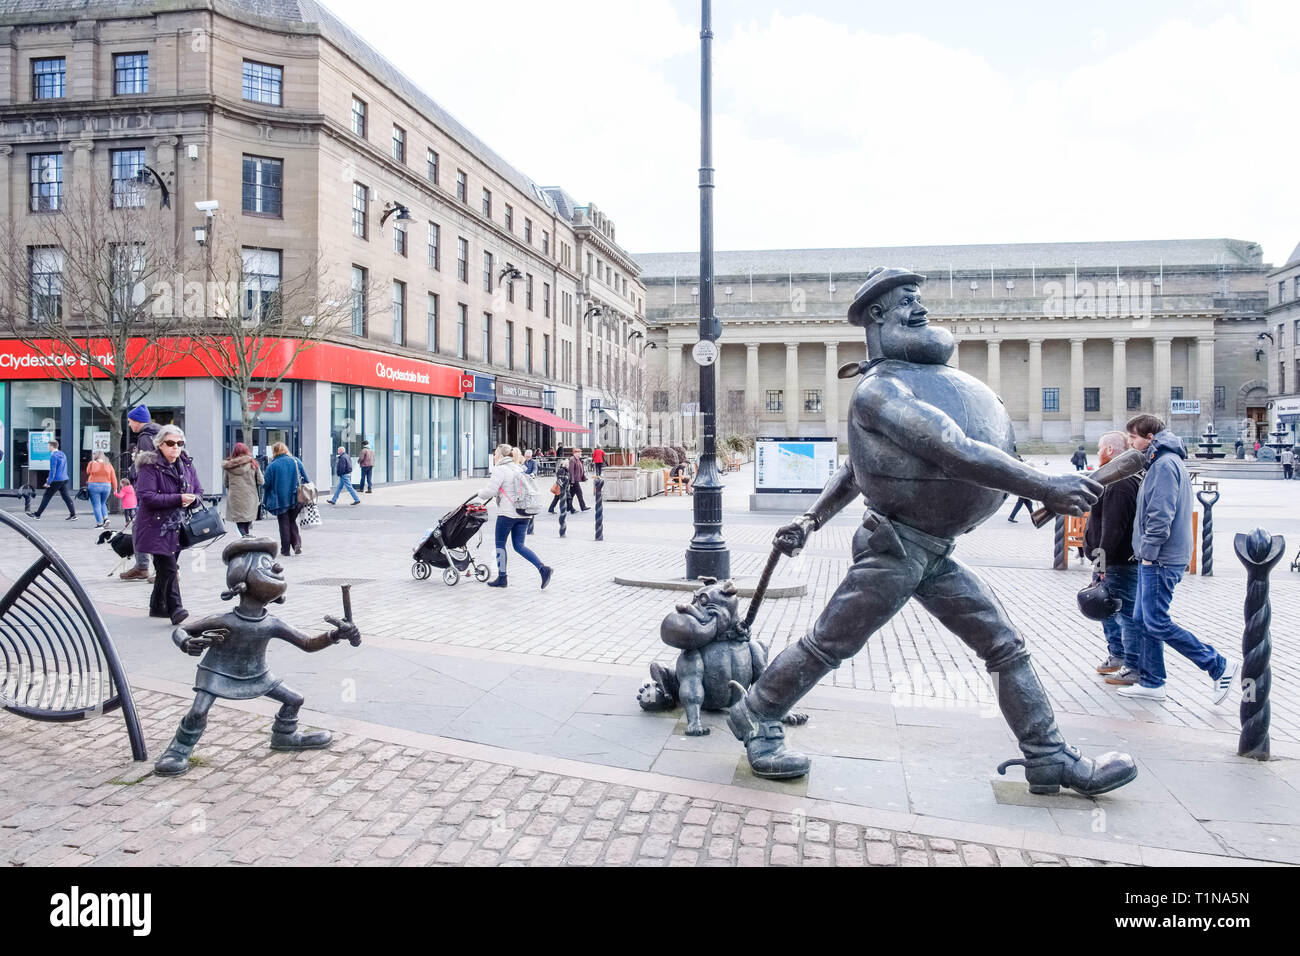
pixel 794 465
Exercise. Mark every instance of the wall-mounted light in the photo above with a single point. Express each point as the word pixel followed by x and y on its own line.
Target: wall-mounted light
pixel 974 286
pixel 1011 284
pixel 147 176
pixel 509 274
pixel 201 235
pixel 403 213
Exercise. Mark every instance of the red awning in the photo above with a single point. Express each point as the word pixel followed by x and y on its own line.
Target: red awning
pixel 543 417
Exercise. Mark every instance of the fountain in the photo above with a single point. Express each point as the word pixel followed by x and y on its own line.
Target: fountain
pixel 1281 436
pixel 1210 443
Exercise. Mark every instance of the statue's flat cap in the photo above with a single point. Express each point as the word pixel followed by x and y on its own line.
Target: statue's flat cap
pixel 248 546
pixel 879 281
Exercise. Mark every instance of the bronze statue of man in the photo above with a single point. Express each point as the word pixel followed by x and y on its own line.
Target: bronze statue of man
pixel 930 451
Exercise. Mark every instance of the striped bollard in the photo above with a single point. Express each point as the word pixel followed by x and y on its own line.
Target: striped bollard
pixel 563 478
pixel 1060 560
pixel 598 486
pixel 1259 553
pixel 1207 500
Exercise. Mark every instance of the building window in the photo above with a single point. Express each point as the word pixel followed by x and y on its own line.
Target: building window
pixel 433 322
pixel 49 79
pixel 1051 399
pixel 812 400
pixel 1092 399
pixel 510 290
pixel 126 267
pixel 462 324
pixel 487 338
pixel 528 231
pixel 1281 290
pixel 45 270
pixel 126 192
pixel 360 210
pixel 462 259
pixel 546 355
pixel 462 186
pixel 546 243
pixel 1296 290
pixel 487 204
pixel 399 238
pixel 1134 401
pixel 1220 396
pixel 359 117
pixel 528 291
pixel 358 301
pixel 510 344
pixel 546 299
pixel 261 285
pixel 130 73
pixel 399 313
pixel 775 402
pixel 1176 393
pixel 660 401
pixel 435 258
pixel 46 182
pixel 1281 376
pixel 399 143
pixel 263 83
pixel 528 351
pixel 510 218
pixel 487 272
pixel 431 166
pixel 1281 335
pixel 263 185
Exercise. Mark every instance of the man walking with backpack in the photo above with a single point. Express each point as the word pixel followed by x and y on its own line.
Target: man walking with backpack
pixel 343 469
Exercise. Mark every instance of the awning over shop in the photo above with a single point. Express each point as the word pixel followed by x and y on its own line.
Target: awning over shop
pixel 543 417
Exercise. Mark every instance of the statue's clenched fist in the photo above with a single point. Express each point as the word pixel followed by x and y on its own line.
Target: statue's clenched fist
pixel 344 631
pixel 1071 494
pixel 791 538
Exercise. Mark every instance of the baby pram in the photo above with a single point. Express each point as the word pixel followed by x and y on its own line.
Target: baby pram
pixel 447 546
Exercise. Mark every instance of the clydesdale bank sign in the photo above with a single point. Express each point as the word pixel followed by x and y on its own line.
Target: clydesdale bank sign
pixel 178 358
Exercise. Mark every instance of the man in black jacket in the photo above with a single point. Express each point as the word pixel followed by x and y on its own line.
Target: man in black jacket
pixel 1108 540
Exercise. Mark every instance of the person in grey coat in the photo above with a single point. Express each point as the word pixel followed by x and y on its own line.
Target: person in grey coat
pixel 1162 541
pixel 242 477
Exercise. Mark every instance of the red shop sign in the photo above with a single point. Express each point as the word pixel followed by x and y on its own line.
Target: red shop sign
pixel 266 399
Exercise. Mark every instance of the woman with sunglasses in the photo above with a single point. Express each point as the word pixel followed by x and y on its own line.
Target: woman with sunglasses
pixel 166 485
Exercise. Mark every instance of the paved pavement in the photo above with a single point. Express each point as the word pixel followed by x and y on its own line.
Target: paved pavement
pixel 544 682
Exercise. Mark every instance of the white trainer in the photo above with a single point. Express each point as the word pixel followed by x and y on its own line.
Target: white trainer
pixel 1221 688
pixel 1143 693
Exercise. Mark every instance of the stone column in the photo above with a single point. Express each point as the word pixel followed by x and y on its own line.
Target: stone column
pixel 1119 384
pixel 77 176
pixel 1036 389
pixel 1205 376
pixel 831 394
pixel 751 374
pixel 792 388
pixel 955 361
pixel 1076 388
pixel 8 206
pixel 1159 403
pixel 995 365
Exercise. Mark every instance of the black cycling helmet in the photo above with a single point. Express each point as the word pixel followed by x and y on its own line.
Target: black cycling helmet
pixel 1096 602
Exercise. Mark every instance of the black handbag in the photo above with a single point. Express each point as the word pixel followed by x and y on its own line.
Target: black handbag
pixel 201 525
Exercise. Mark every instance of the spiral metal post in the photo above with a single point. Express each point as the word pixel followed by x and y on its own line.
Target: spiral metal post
pixel 1207 500
pixel 1059 557
pixel 599 486
pixel 1259 553
pixel 562 476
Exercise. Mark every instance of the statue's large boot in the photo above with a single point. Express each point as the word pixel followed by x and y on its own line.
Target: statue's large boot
pixel 764 742
pixel 1048 761
pixel 756 719
pixel 285 734
pixel 176 758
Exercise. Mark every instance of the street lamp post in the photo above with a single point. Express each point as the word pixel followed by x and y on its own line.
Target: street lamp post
pixel 707 555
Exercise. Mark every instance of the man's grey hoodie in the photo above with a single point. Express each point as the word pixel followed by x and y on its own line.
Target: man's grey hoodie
pixel 1162 528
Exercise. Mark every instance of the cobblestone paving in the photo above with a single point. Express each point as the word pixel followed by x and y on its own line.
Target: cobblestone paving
pixel 69 797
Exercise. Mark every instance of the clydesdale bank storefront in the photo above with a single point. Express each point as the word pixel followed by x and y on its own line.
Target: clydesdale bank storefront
pixel 423 420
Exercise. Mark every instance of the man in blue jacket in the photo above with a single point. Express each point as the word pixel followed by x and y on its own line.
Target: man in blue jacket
pixel 343 471
pixel 58 481
pixel 1162 541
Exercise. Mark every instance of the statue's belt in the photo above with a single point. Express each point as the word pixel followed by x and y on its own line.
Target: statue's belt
pixel 891 527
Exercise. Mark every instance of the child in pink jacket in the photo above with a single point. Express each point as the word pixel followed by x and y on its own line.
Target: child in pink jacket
pixel 126 492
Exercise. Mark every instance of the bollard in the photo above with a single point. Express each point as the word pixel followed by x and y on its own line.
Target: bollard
pixel 1060 560
pixel 1259 553
pixel 562 476
pixel 1207 500
pixel 598 485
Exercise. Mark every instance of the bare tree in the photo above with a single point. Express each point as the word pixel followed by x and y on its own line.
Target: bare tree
pixel 87 286
pixel 258 320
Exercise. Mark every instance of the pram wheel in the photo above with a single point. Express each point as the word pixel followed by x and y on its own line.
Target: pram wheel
pixel 450 576
pixel 481 573
pixel 421 571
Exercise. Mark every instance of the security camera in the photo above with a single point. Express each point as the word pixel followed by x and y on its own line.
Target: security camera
pixel 208 206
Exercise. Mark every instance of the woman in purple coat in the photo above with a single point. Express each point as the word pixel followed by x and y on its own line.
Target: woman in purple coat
pixel 166 486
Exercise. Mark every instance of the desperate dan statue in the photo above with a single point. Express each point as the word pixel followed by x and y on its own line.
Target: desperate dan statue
pixel 930 450
pixel 235 665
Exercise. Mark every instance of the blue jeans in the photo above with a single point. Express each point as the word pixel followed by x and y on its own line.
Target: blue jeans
pixel 1123 635
pixel 1155 593
pixel 345 481
pixel 99 499
pixel 514 529
pixel 366 481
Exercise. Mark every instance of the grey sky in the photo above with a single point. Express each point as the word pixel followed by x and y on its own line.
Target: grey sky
pixel 846 123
